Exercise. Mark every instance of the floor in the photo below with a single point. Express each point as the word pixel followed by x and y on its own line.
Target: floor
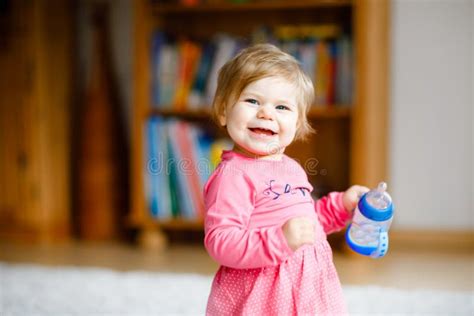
pixel 401 268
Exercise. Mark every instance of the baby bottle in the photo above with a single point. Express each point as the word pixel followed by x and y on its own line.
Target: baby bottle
pixel 368 233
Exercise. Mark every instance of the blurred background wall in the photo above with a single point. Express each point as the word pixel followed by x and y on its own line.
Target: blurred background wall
pixel 431 118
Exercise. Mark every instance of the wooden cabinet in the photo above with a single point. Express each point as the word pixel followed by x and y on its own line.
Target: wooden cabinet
pixel 35 96
pixel 350 143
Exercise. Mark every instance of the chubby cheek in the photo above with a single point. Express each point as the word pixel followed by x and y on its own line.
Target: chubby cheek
pixel 234 132
pixel 289 133
pixel 236 125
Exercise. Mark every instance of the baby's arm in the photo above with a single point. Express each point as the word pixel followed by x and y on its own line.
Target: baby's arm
pixel 228 239
pixel 335 210
pixel 331 212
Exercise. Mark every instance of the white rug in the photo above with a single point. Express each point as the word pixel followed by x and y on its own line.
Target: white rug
pixel 38 290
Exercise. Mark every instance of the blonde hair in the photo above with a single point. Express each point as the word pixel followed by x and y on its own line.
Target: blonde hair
pixel 258 62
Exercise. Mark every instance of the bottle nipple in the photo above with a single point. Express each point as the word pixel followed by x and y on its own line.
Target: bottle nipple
pixel 378 197
pixel 382 187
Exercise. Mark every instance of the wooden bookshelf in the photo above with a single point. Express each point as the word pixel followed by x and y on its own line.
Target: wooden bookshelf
pixel 350 142
pixel 175 224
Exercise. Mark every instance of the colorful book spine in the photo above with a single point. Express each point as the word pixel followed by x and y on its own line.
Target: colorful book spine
pixel 186 201
pixel 152 188
pixel 185 72
pixel 158 41
pixel 168 74
pixel 226 47
pixel 307 56
pixel 196 97
pixel 331 74
pixel 190 173
pixel 162 172
pixel 189 55
pixel 322 73
pixel 177 167
pixel 344 71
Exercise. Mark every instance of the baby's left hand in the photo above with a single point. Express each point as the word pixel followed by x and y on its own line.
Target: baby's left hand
pixel 351 197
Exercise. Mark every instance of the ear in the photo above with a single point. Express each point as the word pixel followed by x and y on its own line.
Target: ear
pixel 223 119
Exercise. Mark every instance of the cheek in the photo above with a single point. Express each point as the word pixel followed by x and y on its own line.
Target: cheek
pixel 290 125
pixel 290 131
pixel 235 124
pixel 240 118
pixel 290 135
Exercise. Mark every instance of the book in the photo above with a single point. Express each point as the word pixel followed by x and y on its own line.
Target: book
pixel 196 97
pixel 158 40
pixel 164 197
pixel 168 74
pixel 173 183
pixel 331 74
pixel 216 149
pixel 307 56
pixel 323 68
pixel 344 71
pixel 189 170
pixel 150 167
pixel 201 146
pixel 189 55
pixel 179 169
pixel 226 47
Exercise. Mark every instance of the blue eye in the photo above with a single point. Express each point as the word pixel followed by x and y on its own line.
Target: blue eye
pixel 252 101
pixel 282 107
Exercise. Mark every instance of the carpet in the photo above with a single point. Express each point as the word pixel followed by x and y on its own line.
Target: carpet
pixel 40 290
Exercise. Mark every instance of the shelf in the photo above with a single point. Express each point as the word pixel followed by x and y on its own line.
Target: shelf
pixel 180 224
pixel 201 114
pixel 144 220
pixel 253 6
pixel 330 112
pixel 173 224
pixel 333 111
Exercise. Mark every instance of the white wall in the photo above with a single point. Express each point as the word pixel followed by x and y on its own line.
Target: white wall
pixel 431 134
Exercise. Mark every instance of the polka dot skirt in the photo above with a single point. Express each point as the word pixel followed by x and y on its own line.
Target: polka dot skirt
pixel 305 284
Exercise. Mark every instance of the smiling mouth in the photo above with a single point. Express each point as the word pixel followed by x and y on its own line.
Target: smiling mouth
pixel 262 131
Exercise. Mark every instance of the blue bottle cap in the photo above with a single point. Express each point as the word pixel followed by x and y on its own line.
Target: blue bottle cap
pixel 374 213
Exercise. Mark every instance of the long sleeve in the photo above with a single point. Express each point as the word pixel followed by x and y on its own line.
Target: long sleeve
pixel 229 197
pixel 331 212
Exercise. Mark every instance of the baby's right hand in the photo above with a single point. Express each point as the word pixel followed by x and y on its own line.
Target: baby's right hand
pixel 298 231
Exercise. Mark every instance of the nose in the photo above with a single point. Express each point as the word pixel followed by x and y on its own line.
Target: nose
pixel 266 112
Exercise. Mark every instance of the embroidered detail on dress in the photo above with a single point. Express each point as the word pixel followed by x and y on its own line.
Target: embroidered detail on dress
pixel 270 190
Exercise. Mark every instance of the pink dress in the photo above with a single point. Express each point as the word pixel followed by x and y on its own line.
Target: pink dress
pixel 247 202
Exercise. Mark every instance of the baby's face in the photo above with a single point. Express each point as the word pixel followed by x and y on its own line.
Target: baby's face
pixel 263 121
